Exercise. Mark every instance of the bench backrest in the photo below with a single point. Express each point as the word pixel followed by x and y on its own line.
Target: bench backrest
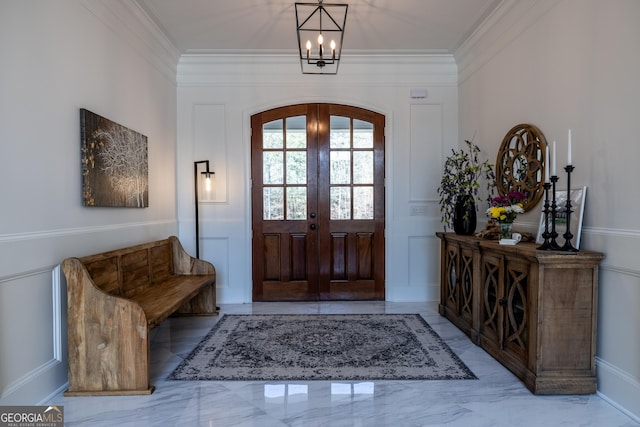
pixel 124 272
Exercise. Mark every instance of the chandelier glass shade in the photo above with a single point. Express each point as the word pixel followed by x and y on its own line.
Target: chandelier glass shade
pixel 320 29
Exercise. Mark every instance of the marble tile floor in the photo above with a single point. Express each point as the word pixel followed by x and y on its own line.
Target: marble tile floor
pixel 497 398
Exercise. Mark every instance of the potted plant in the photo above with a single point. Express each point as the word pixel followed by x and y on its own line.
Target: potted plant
pixel 460 185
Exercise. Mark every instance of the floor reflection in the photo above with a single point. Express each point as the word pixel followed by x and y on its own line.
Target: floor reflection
pixel 284 393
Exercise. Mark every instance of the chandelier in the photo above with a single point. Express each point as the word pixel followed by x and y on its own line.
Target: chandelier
pixel 320 35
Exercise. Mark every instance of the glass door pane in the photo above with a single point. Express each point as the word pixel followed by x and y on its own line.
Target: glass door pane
pixel 340 167
pixel 363 202
pixel 284 169
pixel 273 202
pixel 362 134
pixel 363 167
pixel 351 168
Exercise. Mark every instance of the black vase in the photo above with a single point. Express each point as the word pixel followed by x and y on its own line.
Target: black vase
pixel 464 215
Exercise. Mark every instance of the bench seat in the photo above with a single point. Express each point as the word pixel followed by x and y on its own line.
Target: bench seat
pixel 162 300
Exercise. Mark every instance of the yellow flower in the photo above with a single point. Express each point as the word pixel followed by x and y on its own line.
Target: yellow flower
pixel 497 212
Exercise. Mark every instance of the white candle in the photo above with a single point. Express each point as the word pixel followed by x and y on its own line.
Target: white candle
pixel 569 149
pixel 546 166
pixel 553 171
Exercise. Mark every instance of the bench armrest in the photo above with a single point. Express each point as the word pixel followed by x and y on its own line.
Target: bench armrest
pixel 107 336
pixel 183 263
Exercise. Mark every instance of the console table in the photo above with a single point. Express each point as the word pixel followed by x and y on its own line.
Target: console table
pixel 533 311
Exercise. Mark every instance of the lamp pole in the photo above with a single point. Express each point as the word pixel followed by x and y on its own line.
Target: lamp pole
pixel 207 173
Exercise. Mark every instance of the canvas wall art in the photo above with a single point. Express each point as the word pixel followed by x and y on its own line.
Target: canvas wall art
pixel 114 163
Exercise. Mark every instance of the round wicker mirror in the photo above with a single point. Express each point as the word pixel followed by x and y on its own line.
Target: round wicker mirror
pixel 521 162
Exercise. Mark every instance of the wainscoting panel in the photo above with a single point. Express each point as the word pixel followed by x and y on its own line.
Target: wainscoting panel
pixel 618 345
pixel 426 133
pixel 216 251
pixel 626 388
pixel 414 271
pixel 419 262
pixel 424 266
pixel 32 350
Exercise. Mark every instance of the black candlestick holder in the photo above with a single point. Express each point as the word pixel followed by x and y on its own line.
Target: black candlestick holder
pixel 554 210
pixel 568 247
pixel 546 245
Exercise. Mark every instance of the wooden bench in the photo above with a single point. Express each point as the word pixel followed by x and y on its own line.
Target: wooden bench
pixel 115 299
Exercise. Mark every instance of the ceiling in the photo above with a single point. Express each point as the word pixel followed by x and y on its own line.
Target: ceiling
pixel 380 26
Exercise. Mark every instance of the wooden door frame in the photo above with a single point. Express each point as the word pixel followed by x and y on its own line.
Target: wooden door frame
pixel 383 207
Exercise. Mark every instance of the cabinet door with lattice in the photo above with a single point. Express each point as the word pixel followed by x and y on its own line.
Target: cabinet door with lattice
pixel 491 294
pixel 466 311
pixel 516 303
pixel 451 275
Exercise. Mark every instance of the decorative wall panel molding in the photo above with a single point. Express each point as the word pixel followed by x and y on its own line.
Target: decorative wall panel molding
pixel 210 143
pixel 38 362
pixel 63 232
pixel 425 151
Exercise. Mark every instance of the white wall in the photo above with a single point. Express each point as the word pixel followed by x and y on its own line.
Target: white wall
pixel 217 94
pixel 58 57
pixel 561 64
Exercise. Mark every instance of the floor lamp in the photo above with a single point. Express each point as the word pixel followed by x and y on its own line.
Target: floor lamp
pixel 207 174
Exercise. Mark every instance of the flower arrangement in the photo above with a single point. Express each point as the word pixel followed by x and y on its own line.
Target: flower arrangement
pixel 504 209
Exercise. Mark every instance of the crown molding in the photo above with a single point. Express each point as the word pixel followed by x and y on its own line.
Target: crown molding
pixel 505 24
pixel 283 67
pixel 348 52
pixel 131 23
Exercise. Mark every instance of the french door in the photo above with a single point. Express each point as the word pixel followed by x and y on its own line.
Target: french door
pixel 317 203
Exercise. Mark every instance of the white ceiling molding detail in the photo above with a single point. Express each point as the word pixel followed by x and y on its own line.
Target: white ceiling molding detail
pixel 134 26
pixel 505 24
pixel 197 70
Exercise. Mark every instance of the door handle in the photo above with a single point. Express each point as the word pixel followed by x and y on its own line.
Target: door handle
pixel 313 215
pixel 312 226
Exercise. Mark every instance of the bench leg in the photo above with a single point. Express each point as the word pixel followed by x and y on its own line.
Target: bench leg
pixel 203 304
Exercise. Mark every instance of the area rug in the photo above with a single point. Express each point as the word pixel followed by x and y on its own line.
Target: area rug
pixel 322 347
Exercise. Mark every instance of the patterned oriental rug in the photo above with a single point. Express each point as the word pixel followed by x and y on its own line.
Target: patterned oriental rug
pixel 322 347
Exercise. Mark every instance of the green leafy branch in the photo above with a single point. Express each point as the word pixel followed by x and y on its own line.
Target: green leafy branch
pixel 461 176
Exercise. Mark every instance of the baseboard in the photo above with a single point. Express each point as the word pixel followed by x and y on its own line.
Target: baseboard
pixel 48 399
pixel 619 389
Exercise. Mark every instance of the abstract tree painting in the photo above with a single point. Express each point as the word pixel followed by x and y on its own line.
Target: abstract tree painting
pixel 114 163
